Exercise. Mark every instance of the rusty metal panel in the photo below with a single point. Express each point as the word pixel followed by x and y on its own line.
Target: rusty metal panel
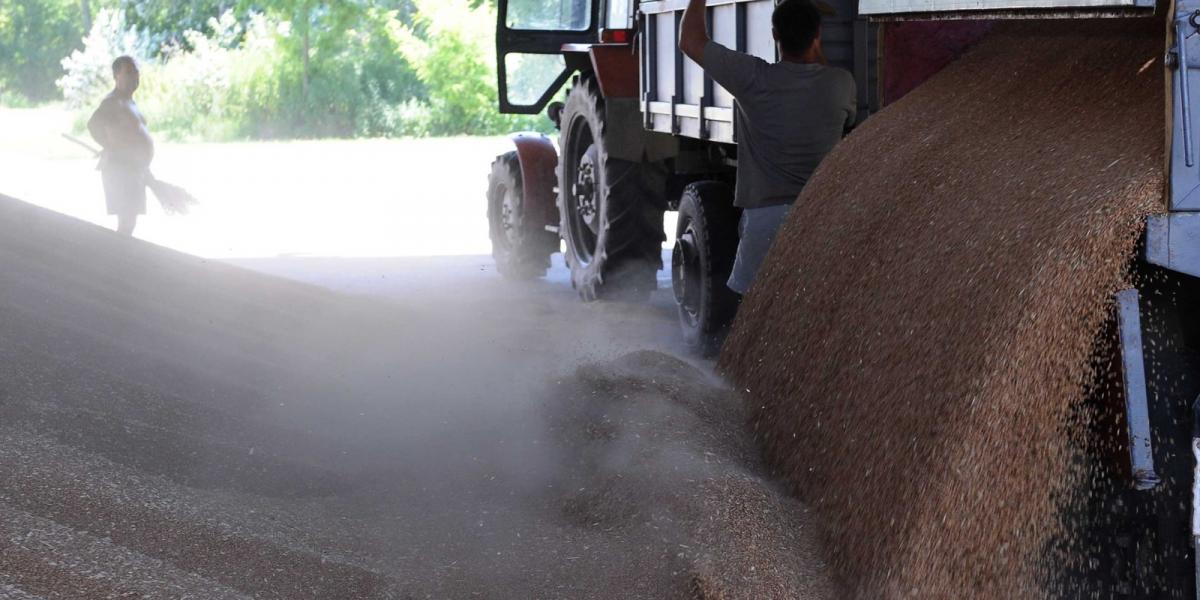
pixel 616 68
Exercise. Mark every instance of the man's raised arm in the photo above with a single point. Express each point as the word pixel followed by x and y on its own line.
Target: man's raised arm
pixel 693 31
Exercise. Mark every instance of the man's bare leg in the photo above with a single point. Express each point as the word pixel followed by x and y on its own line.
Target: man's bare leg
pixel 126 223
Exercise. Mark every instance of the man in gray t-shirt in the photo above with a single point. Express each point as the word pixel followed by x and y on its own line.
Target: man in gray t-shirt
pixel 789 115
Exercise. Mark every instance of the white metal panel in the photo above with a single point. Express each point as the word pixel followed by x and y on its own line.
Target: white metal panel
pixel 759 40
pixel 724 32
pixel 665 39
pixel 892 7
pixel 620 15
pixel 693 81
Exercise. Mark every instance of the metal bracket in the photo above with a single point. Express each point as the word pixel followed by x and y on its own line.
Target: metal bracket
pixel 1184 57
pixel 1173 242
pixel 1184 65
pixel 1133 376
pixel 674 115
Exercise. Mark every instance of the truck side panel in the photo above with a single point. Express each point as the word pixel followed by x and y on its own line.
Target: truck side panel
pixel 675 92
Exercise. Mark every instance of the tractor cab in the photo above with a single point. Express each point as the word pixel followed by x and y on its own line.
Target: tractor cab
pixel 534 39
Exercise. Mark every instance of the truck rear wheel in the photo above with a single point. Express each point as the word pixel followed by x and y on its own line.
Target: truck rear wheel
pixel 706 241
pixel 611 221
pixel 521 250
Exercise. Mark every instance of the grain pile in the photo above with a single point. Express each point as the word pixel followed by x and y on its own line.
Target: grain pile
pixel 923 328
pixel 651 450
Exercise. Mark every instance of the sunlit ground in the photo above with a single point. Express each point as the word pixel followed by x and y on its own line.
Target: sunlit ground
pixel 363 198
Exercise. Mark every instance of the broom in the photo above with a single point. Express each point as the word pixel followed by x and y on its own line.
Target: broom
pixel 174 199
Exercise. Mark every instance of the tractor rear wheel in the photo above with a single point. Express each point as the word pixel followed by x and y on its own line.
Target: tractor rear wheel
pixel 611 216
pixel 706 241
pixel 521 250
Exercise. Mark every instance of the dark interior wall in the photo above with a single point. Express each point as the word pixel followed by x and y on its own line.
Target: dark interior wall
pixel 914 51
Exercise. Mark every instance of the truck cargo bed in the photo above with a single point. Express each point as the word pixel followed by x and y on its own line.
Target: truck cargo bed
pixel 675 92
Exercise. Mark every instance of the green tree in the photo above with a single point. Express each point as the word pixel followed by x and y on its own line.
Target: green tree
pixel 35 35
pixel 166 22
pixel 451 48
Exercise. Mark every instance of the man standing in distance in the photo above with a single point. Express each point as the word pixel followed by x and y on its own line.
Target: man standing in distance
pixel 120 129
pixel 790 114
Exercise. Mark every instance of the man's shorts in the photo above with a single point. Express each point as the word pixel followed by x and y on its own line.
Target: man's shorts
pixel 756 230
pixel 124 191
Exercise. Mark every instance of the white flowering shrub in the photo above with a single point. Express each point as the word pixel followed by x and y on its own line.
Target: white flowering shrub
pixel 88 72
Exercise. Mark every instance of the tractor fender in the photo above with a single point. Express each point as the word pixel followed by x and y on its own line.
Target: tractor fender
pixel 538 159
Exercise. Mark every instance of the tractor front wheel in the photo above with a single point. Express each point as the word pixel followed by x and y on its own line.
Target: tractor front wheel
pixel 520 248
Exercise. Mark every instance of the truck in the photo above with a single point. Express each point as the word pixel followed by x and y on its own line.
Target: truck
pixel 643 131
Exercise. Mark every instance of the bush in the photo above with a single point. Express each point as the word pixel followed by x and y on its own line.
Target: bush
pixel 34 36
pixel 456 62
pixel 246 77
pixel 88 74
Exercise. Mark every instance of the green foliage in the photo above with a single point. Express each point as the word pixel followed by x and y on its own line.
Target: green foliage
pixel 167 22
pixel 456 62
pixel 299 68
pixel 34 36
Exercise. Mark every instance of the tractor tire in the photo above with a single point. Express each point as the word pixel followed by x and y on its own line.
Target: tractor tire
pixel 706 239
pixel 521 250
pixel 611 213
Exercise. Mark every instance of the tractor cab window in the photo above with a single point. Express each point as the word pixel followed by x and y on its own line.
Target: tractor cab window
pixel 530 36
pixel 530 75
pixel 549 15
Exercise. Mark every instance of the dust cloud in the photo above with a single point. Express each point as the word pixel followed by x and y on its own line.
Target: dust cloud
pixel 172 427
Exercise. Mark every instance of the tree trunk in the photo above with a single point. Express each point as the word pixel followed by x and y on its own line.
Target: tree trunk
pixel 307 29
pixel 85 7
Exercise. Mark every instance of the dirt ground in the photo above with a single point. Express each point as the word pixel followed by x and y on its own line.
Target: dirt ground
pixel 174 427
